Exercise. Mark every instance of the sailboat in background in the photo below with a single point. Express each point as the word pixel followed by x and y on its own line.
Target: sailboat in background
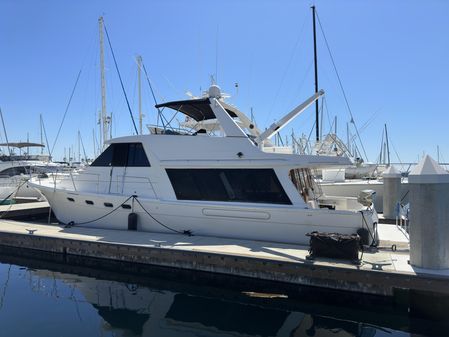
pixel 331 144
pixel 361 174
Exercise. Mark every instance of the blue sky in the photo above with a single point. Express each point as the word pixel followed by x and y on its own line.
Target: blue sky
pixel 392 57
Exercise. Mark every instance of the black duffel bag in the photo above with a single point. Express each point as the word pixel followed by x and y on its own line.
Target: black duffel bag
pixel 334 245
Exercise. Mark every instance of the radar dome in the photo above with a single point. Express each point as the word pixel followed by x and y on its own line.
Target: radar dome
pixel 214 91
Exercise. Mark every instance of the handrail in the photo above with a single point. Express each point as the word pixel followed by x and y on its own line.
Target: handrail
pixel 402 219
pixel 96 179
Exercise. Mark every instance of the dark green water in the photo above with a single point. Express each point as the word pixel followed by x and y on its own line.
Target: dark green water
pixel 53 296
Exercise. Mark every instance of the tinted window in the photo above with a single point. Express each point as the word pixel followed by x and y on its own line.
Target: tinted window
pixel 241 185
pixel 137 156
pixel 122 154
pixel 104 159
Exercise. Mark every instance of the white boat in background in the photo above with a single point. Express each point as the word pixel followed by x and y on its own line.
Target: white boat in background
pixel 16 170
pixel 352 188
pixel 223 186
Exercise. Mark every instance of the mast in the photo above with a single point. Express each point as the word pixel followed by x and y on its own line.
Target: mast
pixel 316 76
pixel 438 154
pixel 42 134
pixel 347 138
pixel 139 71
pixel 79 146
pixel 103 119
pixel 4 130
pixel 388 146
pixel 95 145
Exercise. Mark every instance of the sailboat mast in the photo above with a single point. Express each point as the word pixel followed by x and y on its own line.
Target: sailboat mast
pixel 104 120
pixel 388 145
pixel 94 142
pixel 42 133
pixel 6 135
pixel 79 146
pixel 139 71
pixel 316 76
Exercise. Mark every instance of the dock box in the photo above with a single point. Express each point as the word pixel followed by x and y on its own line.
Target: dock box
pixel 334 245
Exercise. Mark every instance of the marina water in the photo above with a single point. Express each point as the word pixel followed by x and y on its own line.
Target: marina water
pixel 51 296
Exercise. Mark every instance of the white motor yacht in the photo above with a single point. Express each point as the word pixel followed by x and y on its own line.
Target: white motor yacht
pixel 16 170
pixel 202 184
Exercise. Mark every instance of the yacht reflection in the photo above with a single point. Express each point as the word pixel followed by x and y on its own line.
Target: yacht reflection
pixel 132 310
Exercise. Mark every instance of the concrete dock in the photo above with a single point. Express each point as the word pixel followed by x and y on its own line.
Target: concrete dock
pixel 25 209
pixel 382 270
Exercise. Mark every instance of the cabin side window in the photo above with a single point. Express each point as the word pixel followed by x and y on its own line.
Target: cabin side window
pixel 123 154
pixel 238 185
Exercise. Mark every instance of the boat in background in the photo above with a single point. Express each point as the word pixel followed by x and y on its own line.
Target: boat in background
pixel 17 169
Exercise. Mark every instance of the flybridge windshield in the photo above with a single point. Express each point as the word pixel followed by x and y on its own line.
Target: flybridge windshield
pixel 123 154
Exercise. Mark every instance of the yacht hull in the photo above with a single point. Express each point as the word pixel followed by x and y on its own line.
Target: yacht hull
pixel 275 223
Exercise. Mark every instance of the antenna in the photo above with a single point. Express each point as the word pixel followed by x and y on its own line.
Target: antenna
pixel 316 75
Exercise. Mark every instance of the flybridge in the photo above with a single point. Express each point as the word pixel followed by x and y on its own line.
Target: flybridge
pixel 213 107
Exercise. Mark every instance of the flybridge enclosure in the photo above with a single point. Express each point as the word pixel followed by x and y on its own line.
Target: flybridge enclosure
pixel 198 109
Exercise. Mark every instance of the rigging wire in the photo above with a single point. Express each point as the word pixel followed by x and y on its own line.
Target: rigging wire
pixel 84 149
pixel 149 84
pixel 284 75
pixel 121 82
pixel 159 112
pixel 65 112
pixel 45 134
pixel 341 85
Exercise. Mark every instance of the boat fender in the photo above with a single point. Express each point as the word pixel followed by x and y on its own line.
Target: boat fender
pixel 132 221
pixel 364 236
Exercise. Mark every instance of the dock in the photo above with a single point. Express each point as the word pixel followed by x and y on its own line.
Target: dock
pixel 382 271
pixel 25 209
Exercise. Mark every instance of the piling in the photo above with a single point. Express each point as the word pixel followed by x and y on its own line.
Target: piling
pixel 392 192
pixel 429 215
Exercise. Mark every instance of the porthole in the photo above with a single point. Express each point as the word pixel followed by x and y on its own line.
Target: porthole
pixel 125 206
pixel 71 199
pixel 108 204
pixel 89 202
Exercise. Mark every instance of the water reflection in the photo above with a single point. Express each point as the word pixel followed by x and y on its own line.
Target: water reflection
pixel 53 303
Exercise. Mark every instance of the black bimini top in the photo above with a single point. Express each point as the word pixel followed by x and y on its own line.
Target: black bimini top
pixel 198 109
pixel 22 144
